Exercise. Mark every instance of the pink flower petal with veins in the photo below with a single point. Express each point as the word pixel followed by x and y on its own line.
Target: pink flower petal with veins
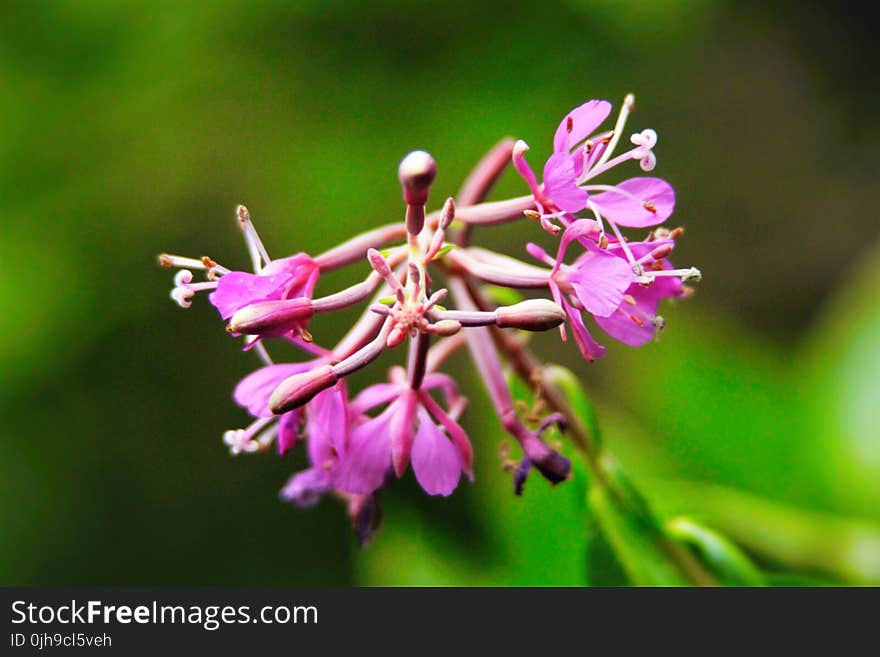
pixel 436 461
pixel 375 395
pixel 599 280
pixel 254 390
pixel 621 326
pixel 579 124
pixel 560 184
pixel 288 430
pixel 368 459
pixel 327 418
pixel 637 202
pixel 590 349
pixel 239 289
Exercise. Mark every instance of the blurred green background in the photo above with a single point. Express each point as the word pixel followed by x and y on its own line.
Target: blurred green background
pixel 129 127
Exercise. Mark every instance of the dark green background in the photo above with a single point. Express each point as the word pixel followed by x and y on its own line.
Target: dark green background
pixel 128 128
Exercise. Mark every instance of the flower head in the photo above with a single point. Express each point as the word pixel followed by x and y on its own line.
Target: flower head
pixel 579 156
pixel 413 428
pixel 288 278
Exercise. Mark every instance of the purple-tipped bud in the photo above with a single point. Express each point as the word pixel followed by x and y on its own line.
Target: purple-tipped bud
pixel 271 318
pixel 298 389
pixel 416 173
pixel 550 463
pixel 366 516
pixel 530 315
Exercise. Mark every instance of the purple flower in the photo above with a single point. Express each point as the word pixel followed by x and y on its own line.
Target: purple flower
pixel 326 414
pixel 288 278
pixel 271 281
pixel 413 428
pixel 327 431
pixel 579 157
pixel 620 285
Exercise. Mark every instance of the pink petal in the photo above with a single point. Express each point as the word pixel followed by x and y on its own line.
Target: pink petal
pixel 579 124
pixel 368 459
pixel 621 325
pixel 523 168
pixel 303 274
pixel 239 289
pixel 444 383
pixel 288 430
pixel 455 432
pixel 254 390
pixel 600 280
pixel 590 349
pixel 327 418
pixel 305 488
pixel 375 395
pixel 401 430
pixel 560 184
pixel 626 205
pixel 435 460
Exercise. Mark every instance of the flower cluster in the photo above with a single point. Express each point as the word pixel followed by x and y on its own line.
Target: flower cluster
pixel 358 445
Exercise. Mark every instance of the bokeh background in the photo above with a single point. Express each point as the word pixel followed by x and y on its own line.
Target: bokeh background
pixel 130 127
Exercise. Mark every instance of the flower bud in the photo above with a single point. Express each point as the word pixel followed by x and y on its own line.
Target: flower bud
pixel 416 173
pixel 444 327
pixel 547 461
pixel 298 389
pixel 530 315
pixel 271 318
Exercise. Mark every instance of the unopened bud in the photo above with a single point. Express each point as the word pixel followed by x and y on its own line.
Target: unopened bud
pixel 298 389
pixel 416 173
pixel 271 318
pixel 445 327
pixel 530 315
pixel 447 214
pixel 550 463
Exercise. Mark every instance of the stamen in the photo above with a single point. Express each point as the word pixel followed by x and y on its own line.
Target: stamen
pixel 260 348
pixel 637 268
pixel 254 244
pixel 239 440
pixel 628 103
pixel 171 261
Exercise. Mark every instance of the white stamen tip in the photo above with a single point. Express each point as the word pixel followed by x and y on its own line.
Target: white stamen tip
pixel 692 275
pixel 181 296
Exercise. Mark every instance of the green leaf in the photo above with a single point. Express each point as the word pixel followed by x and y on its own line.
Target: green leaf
pixel 446 248
pixel 724 559
pixel 636 544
